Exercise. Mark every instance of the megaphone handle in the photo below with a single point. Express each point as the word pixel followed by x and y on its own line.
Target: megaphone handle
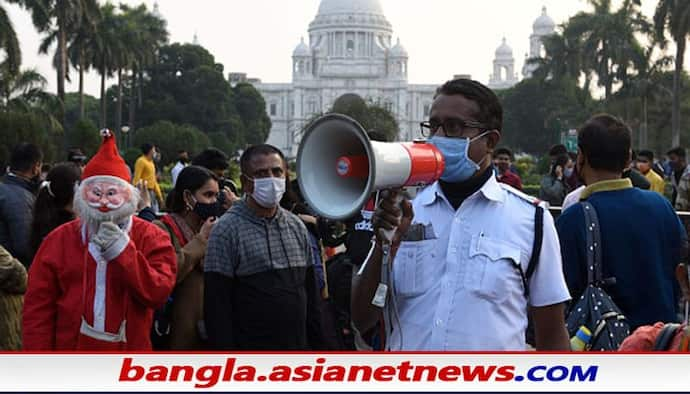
pixel 389 234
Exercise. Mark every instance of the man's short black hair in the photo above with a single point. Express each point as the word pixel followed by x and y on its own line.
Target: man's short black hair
pixel 24 156
pixel 558 150
pixel 256 150
pixel 146 148
pixel 647 154
pixel 490 109
pixel 678 151
pixel 503 151
pixel 75 155
pixel 212 159
pixel 605 142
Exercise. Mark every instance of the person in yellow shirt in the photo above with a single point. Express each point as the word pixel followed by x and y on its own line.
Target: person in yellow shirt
pixel 145 170
pixel 645 159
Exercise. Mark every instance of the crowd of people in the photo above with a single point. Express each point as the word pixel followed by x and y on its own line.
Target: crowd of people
pixel 95 256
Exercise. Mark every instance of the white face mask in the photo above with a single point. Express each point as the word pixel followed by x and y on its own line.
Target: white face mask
pixel 268 191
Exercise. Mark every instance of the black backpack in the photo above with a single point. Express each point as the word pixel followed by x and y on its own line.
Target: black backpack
pixel 595 309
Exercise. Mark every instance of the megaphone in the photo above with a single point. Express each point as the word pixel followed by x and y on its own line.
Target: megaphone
pixel 338 167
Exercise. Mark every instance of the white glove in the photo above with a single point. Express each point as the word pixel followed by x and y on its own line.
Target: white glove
pixel 111 240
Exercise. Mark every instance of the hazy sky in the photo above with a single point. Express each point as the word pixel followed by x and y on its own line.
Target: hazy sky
pixel 443 37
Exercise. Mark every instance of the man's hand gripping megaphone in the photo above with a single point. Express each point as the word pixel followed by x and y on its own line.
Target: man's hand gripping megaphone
pixel 392 218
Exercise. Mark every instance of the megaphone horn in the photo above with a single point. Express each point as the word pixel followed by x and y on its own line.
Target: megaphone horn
pixel 338 167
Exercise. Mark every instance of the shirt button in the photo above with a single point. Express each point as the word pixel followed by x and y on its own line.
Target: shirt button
pixel 439 322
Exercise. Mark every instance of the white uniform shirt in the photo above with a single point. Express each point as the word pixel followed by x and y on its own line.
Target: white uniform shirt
pixel 572 198
pixel 462 291
pixel 175 172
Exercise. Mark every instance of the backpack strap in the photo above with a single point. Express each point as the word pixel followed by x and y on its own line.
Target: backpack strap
pixel 593 236
pixel 665 337
pixel 537 244
pixel 536 248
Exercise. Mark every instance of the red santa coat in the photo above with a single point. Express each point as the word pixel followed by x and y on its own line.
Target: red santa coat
pixel 73 290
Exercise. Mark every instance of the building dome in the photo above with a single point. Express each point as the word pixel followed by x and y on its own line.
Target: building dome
pixel 301 50
pixel 504 51
pixel 350 14
pixel 398 50
pixel 330 7
pixel 544 23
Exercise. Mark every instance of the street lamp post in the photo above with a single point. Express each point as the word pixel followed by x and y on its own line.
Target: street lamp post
pixel 125 135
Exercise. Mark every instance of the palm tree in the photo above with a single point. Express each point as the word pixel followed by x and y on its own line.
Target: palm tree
pixel 107 49
pixel 145 34
pixel 24 92
pixel 608 40
pixel 562 58
pixel 56 17
pixel 674 15
pixel 10 44
pixel 21 88
pixel 645 86
pixel 81 36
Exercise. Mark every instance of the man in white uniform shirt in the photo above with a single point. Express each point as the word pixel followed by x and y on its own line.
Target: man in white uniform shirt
pixel 455 282
pixel 182 160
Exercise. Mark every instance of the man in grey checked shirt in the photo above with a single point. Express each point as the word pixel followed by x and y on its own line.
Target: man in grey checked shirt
pixel 260 289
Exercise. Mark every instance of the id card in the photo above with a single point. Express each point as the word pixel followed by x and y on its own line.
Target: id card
pixel 380 296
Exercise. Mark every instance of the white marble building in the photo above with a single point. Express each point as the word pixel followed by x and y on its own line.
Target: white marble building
pixel 350 50
pixel 504 75
pixel 542 27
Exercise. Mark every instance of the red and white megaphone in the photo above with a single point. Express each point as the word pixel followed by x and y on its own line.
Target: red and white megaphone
pixel 338 167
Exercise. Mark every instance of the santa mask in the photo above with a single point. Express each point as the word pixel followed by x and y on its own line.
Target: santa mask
pixel 105 198
pixel 105 193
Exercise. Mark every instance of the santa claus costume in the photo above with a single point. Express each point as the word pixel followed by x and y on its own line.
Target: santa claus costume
pixel 96 281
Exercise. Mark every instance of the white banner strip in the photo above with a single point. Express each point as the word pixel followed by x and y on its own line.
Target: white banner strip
pixel 367 372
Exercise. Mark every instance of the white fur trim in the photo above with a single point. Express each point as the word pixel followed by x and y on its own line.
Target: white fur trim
pixel 106 133
pixel 101 335
pixel 99 309
pixel 99 294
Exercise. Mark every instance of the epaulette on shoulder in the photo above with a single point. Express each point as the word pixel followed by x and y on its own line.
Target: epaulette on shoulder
pixel 521 195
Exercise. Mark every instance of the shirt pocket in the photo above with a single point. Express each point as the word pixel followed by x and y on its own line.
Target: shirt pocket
pixel 493 268
pixel 411 268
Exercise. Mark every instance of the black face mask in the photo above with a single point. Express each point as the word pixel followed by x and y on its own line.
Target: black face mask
pixel 208 210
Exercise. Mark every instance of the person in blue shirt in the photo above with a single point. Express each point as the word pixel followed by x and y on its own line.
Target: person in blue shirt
pixel 642 238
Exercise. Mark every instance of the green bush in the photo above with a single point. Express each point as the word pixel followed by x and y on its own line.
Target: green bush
pixel 85 136
pixel 16 127
pixel 531 189
pixel 171 138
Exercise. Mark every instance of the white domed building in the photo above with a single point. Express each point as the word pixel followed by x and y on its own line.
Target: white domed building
pixel 504 75
pixel 542 27
pixel 350 51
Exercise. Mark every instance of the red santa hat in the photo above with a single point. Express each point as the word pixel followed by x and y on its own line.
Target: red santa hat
pixel 107 162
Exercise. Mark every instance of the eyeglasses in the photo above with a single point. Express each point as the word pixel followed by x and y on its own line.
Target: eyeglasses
pixel 452 127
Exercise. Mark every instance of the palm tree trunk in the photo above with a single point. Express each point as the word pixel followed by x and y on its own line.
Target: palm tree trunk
pixel 118 107
pixel 62 67
pixel 103 98
pixel 140 96
pixel 132 100
pixel 82 60
pixel 677 74
pixel 645 131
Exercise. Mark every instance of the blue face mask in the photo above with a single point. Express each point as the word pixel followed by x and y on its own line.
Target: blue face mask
pixel 459 167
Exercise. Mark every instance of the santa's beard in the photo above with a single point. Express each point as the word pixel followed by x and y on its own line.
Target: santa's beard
pixel 92 217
